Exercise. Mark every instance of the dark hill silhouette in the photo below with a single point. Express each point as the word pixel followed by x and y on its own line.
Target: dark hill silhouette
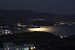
pixel 32 14
pixel 71 36
pixel 67 43
pixel 24 13
pixel 71 39
pixel 31 37
pixel 41 40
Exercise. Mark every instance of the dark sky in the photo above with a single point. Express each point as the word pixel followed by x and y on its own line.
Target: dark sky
pixel 54 6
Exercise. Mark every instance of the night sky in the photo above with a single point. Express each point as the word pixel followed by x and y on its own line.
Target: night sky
pixel 54 6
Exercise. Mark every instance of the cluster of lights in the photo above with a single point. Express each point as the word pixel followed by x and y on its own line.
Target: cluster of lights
pixel 64 23
pixel 62 36
pixel 32 48
pixel 6 32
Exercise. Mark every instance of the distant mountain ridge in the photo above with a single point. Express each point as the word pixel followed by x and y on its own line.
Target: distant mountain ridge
pixel 31 14
pixel 23 13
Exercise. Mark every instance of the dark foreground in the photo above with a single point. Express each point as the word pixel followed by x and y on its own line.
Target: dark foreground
pixel 41 40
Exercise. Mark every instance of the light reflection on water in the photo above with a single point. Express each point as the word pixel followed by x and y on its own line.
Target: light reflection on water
pixel 57 30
